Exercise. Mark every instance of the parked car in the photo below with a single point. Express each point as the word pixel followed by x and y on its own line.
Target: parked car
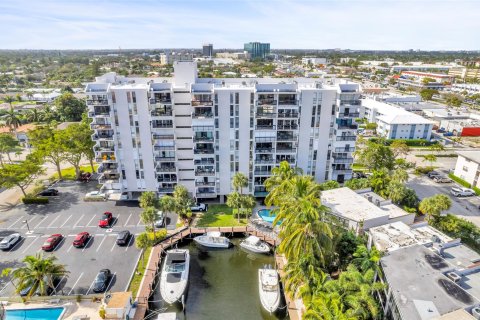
pixel 96 195
pixel 101 280
pixel 49 290
pixel 160 223
pixel 52 242
pixel 48 192
pixel 81 239
pixel 462 192
pixel 442 179
pixel 433 174
pixel 10 241
pixel 123 237
pixel 199 207
pixel 106 220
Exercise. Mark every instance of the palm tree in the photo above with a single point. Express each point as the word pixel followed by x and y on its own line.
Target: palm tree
pixel 33 115
pixel 400 175
pixel 235 199
pixel 239 181
pixel 365 259
pixel 303 277
pixel 147 199
pixel 9 100
pixel 148 216
pixel 38 274
pixel 396 191
pixel 166 204
pixel 12 119
pixel 328 306
pixel 434 205
pixel 276 183
pixel 143 242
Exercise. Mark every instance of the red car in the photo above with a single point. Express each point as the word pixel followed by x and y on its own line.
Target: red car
pixel 106 220
pixel 81 239
pixel 52 242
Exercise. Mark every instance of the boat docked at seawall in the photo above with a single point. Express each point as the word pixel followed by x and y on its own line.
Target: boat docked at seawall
pixel 213 239
pixel 269 289
pixel 174 277
pixel 254 244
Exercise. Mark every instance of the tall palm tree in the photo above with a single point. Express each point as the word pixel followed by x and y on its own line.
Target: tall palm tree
pixel 365 259
pixel 276 183
pixel 328 306
pixel 239 181
pixel 12 119
pixel 148 216
pixel 9 100
pixel 303 277
pixel 38 274
pixel 33 115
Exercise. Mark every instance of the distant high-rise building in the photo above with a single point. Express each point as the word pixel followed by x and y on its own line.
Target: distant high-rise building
pixel 208 50
pixel 257 49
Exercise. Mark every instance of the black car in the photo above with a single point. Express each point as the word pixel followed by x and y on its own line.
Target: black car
pixel 433 174
pixel 48 192
pixel 49 289
pixel 123 237
pixel 101 280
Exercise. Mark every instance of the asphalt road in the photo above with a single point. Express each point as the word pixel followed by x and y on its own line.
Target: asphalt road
pixel 465 207
pixel 68 214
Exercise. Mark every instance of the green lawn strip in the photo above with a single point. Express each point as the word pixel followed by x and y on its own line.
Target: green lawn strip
pixel 464 183
pixel 69 173
pixel 139 271
pixel 219 215
pixel 359 167
pixel 441 155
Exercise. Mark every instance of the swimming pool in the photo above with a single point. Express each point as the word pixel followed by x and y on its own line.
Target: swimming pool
pixel 35 314
pixel 264 214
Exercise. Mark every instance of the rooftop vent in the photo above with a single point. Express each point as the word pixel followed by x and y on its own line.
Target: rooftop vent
pixel 453 276
pixel 476 312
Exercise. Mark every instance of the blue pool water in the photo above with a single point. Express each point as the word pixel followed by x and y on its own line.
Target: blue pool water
pixel 265 215
pixel 35 314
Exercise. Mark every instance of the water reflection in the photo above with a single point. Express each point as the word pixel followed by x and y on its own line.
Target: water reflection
pixel 223 284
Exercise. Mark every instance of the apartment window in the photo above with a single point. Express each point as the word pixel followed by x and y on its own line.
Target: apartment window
pixel 134 97
pixel 216 110
pixel 252 98
pixel 123 174
pixel 333 110
pixel 465 168
pixel 231 123
pixel 137 174
pixel 216 98
pixel 134 144
pixel 231 110
pixel 114 100
pixel 237 134
pixel 129 97
pixel 237 98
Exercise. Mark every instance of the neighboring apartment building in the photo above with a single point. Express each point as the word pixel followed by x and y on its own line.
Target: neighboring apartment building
pixel 468 167
pixel 417 79
pixel 152 134
pixel 257 49
pixel 171 57
pixel 207 50
pixel 395 122
pixel 427 274
pixel 314 61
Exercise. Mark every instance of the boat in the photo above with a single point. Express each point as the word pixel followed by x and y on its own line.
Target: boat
pixel 254 244
pixel 167 316
pixel 212 239
pixel 269 289
pixel 174 277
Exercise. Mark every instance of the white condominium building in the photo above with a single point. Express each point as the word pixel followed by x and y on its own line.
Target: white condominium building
pixel 152 134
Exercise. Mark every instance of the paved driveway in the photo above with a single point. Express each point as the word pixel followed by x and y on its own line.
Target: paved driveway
pixel 68 214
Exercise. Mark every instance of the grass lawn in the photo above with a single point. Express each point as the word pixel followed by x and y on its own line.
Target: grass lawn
pixel 219 215
pixel 138 275
pixel 359 167
pixel 69 173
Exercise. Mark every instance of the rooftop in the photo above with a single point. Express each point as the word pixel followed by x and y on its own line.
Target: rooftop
pixel 394 114
pixel 119 300
pixel 470 155
pixel 420 287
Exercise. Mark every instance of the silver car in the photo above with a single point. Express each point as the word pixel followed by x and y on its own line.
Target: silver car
pixel 10 241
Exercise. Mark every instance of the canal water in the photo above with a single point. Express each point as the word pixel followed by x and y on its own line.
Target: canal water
pixel 223 284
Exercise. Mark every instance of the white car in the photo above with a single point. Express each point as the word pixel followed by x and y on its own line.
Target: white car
pixel 199 207
pixel 10 241
pixel 160 223
pixel 462 192
pixel 96 195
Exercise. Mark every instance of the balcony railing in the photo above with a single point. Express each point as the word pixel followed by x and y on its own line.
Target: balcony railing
pixel 102 137
pixel 347 127
pixel 266 101
pixel 162 126
pixel 203 151
pixel 265 115
pixel 100 126
pixel 157 136
pixel 154 101
pixel 262 172
pixel 349 115
pixel 107 159
pixel 99 102
pixel 200 162
pixel 287 126
pixel 286 138
pixel 342 160
pixel 104 148
pixel 157 113
pixel 264 139
pixel 341 149
pixel 166 190
pixel 340 171
pixel 212 194
pixel 288 115
pixel 164 148
pixel 160 179
pixel 265 127
pixel 290 161
pixel 204 184
pixel 286 150
pixel 202 138
pixel 201 115
pixel 264 150
pixel 94 114
pixel 196 103
pixel 169 158
pixel 264 161
pixel 287 102
pixel 205 172
pixel 346 138
pixel 350 102
pixel 166 169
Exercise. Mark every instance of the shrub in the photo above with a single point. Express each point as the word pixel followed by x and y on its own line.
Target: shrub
pixel 457 227
pixel 101 313
pixel 409 142
pixel 423 170
pixel 34 200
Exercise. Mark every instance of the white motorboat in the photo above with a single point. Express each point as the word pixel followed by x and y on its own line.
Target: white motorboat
pixel 174 277
pixel 269 289
pixel 254 244
pixel 213 239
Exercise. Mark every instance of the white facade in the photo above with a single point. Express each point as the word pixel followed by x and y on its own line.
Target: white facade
pixel 395 122
pixel 152 134
pixel 468 167
pixel 314 61
pixel 171 57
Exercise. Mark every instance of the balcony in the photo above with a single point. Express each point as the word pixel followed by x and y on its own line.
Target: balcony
pixel 349 115
pixel 161 179
pixel 166 189
pixel 100 126
pixel 166 169
pixel 266 115
pixel 105 158
pixel 342 160
pixel 264 139
pixel 264 150
pixel 286 150
pixel 268 101
pixel 204 184
pixel 211 194
pixel 203 138
pixel 160 100
pixel 346 138
pixel 265 127
pixel 102 137
pixel 350 102
pixel 347 127
pixel 94 114
pixel 98 102
pixel 288 114
pixel 202 115
pixel 161 113
pixel 164 148
pixel 157 136
pixel 287 102
pixel 341 149
pixel 262 172
pixel 100 148
pixel 196 103
pixel 164 158
pixel 290 161
pixel 162 125
pixel 342 171
pixel 287 126
pixel 285 137
pixel 200 162
pixel 204 151
pixel 265 161
pixel 205 172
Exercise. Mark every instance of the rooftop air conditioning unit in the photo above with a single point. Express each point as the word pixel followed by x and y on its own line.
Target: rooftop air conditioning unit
pixel 453 276
pixel 476 312
pixel 377 202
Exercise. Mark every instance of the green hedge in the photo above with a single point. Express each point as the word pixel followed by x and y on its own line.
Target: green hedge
pixel 34 200
pixel 464 183
pixel 409 142
pixel 441 155
pixel 457 227
pixel 423 170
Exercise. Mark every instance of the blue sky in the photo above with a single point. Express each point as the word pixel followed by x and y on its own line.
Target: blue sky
pixel 319 24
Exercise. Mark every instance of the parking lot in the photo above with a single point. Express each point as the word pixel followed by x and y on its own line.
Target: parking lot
pixel 465 207
pixel 69 215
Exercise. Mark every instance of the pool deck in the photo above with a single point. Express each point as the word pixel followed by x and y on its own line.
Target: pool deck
pixel 72 308
pixel 154 261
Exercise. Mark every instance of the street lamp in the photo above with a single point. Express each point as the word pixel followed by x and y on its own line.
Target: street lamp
pixel 26 222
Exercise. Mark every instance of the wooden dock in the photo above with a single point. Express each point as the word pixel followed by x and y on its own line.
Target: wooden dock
pixel 154 261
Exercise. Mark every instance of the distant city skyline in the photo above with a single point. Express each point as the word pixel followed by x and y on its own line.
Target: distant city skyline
pixel 285 24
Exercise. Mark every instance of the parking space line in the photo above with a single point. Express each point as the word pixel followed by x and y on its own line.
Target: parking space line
pixel 129 242
pixel 76 223
pixel 90 288
pixel 101 243
pixel 73 287
pixel 139 220
pixel 59 282
pixel 134 269
pixel 25 250
pixel 127 220
pixel 10 226
pixel 114 245
pixel 111 279
pixel 86 244
pixel 66 221
pixel 43 220
pixel 5 286
pixel 88 224
pixel 70 248
pixel 53 221
pixel 61 241
pixel 16 244
pixel 29 221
